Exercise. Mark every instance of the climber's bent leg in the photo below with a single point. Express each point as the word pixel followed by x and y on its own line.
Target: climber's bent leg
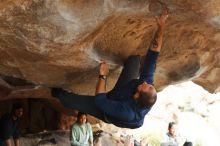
pixel 82 103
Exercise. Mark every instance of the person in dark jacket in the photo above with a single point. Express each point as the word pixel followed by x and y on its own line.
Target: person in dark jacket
pixel 9 126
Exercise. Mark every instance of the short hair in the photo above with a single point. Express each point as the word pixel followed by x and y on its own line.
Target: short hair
pixel 79 115
pixel 171 125
pixel 147 99
pixel 16 106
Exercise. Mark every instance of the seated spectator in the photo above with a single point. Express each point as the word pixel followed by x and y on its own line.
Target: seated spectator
pixel 171 138
pixel 9 126
pixel 81 133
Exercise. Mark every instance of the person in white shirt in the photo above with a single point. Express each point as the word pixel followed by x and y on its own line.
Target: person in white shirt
pixel 81 133
pixel 171 138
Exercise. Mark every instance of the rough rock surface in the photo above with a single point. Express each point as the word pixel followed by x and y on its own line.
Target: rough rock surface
pixel 61 138
pixel 61 42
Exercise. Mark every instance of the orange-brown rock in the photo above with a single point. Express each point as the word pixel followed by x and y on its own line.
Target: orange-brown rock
pixel 60 43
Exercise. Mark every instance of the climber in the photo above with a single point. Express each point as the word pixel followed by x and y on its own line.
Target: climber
pixel 132 97
pixel 127 103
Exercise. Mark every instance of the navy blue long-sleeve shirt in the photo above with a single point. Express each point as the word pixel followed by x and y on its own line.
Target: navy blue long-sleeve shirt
pixel 119 107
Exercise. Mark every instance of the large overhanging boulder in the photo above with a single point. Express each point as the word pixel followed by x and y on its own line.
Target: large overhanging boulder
pixel 61 43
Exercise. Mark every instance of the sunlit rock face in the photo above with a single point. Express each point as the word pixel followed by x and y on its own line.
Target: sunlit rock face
pixel 61 42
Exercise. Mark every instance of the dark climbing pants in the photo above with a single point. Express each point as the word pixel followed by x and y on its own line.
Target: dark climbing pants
pixel 86 104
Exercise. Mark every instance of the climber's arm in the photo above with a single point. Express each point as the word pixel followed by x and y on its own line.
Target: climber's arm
pixel 103 72
pixel 156 44
pixel 147 73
